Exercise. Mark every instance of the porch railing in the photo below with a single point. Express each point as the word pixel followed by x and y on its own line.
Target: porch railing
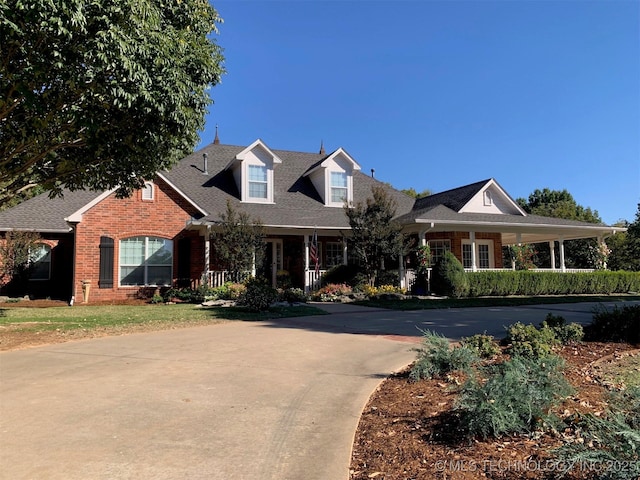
pixel 313 279
pixel 217 278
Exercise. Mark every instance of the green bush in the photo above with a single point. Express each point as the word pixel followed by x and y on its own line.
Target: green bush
pixel 617 325
pixel 436 357
pixel 186 295
pixel 566 334
pixel 387 277
pixel 503 283
pixel 529 341
pixel 449 278
pixel 258 296
pixel 294 295
pixel 157 299
pixel 342 274
pixel 484 345
pixel 610 441
pixel 512 397
pixel 228 291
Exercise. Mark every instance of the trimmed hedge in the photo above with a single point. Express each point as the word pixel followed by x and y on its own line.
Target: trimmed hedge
pixel 503 283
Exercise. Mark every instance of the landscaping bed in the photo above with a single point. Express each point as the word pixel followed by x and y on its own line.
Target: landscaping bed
pixel 408 429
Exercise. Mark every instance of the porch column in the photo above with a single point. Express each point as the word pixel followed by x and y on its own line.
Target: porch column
pixel 306 263
pixel 253 264
pixel 345 256
pixel 552 251
pixel 518 242
pixel 474 265
pixel 207 255
pixel 563 268
pixel 602 247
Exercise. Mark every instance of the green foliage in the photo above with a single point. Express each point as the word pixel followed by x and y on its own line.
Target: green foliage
pixel 294 295
pixel 387 277
pixel 332 292
pixel 522 256
pixel 412 192
pixel 228 291
pixel 436 357
pixel 342 274
pixel 102 94
pixel 375 235
pixel 186 295
pixel 16 257
pixel 529 341
pixel 449 278
pixel 611 441
pixel 529 283
pixel 157 298
pixel 566 334
pixel 617 325
pixel 511 397
pixel 484 345
pixel 258 296
pixel 625 247
pixel 239 243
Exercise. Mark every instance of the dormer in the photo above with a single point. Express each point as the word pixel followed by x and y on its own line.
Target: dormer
pixel 491 198
pixel 333 178
pixel 252 170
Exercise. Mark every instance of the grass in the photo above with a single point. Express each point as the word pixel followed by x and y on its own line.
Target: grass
pixel 114 316
pixel 436 303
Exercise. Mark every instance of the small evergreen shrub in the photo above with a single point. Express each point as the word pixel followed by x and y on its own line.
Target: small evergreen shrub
pixel 186 295
pixel 566 334
pixel 484 345
pixel 228 291
pixel 449 277
pixel 617 325
pixel 258 296
pixel 436 357
pixel 387 278
pixel 294 295
pixel 156 299
pixel 529 341
pixel 512 397
pixel 339 274
pixel 611 441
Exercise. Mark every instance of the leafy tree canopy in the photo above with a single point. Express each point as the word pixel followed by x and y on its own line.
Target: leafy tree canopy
pixel 558 204
pixel 101 94
pixel 374 233
pixel 415 194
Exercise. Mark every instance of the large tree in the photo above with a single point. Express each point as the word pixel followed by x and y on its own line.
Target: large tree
pixel 561 204
pixel 374 234
pixel 625 247
pixel 101 94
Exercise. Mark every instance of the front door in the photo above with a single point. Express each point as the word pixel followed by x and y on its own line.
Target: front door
pixel 272 259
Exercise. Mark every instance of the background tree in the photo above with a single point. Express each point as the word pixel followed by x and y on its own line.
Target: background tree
pixel 101 94
pixel 415 194
pixel 625 247
pixel 239 242
pixel 561 204
pixel 374 234
pixel 16 259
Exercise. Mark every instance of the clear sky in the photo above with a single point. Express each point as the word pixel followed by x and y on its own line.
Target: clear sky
pixel 439 94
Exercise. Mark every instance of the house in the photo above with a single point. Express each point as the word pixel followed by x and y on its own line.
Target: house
pixel 118 248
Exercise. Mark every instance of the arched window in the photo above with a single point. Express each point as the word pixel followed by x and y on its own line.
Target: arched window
pixel 147 191
pixel 146 261
pixel 40 262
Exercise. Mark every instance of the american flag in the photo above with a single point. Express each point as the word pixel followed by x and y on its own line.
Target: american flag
pixel 313 251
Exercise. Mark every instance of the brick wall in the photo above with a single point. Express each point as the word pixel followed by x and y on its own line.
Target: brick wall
pixel 165 216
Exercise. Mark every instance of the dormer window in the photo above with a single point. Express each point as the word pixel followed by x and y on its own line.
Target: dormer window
pixel 258 181
pixel 339 187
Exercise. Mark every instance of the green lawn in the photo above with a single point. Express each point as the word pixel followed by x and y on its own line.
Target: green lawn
pixel 435 303
pixel 98 316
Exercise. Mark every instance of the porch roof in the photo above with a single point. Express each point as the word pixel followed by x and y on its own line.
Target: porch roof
pixel 531 228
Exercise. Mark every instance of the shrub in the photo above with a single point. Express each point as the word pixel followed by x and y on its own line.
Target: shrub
pixel 156 299
pixel 258 296
pixel 611 440
pixel 387 278
pixel 228 291
pixel 449 277
pixel 516 396
pixel 529 341
pixel 332 292
pixel 342 274
pixel 437 357
pixel 294 295
pixel 186 295
pixel 617 325
pixel 566 334
pixel 484 345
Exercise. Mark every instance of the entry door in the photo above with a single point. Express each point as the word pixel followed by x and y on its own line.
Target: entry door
pixel 273 259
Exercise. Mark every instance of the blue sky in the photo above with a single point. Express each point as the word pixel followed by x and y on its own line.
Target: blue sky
pixel 440 94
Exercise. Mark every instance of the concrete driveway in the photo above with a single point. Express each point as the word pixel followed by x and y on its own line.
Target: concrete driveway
pixel 270 400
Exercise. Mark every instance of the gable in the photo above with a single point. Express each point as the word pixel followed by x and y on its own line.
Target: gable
pixel 491 198
pixel 253 172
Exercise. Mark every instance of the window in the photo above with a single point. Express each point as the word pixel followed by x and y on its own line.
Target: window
pixel 147 191
pixel 438 249
pixel 334 254
pixel 257 181
pixel 488 201
pixel 339 187
pixel 146 261
pixel 484 254
pixel 40 261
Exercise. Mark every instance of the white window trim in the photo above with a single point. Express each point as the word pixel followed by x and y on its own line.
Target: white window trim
pixel 489 243
pixel 148 187
pixel 340 256
pixel 445 241
pixel 488 199
pixel 245 195
pixel 144 264
pixel 349 189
